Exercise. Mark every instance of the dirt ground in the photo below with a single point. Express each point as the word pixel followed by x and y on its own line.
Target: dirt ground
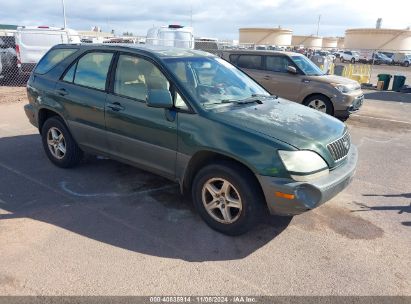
pixel 12 94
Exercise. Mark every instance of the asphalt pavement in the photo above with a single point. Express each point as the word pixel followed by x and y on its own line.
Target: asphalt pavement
pixel 105 228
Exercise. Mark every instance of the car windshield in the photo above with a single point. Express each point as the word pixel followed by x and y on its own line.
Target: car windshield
pixel 307 66
pixel 213 81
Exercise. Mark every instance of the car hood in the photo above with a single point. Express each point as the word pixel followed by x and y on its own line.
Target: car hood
pixel 334 79
pixel 287 121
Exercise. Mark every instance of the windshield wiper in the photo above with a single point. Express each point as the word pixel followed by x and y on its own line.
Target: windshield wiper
pixel 219 102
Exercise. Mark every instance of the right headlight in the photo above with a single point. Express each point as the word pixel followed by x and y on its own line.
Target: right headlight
pixel 303 165
pixel 346 88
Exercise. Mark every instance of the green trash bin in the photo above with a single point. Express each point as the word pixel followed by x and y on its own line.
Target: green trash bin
pixel 386 78
pixel 398 82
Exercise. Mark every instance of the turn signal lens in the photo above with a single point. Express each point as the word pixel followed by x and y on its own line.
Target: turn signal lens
pixel 285 195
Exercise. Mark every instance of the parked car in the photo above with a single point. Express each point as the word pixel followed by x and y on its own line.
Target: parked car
pixel 374 58
pixel 350 56
pixel 8 59
pixel 294 77
pixel 194 118
pixel 388 54
pixel 402 59
pixel 327 54
pixel 33 42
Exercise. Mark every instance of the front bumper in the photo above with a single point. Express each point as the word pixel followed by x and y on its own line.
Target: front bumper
pixel 345 104
pixel 308 195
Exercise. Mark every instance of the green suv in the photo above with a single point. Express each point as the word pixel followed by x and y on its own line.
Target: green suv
pixel 195 119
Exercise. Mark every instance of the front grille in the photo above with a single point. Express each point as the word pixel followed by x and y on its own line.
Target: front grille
pixel 339 148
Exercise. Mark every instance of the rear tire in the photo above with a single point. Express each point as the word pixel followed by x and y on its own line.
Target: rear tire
pixel 227 197
pixel 59 145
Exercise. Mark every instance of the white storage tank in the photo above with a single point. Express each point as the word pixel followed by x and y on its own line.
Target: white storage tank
pixel 310 42
pixel 330 42
pixel 267 36
pixel 378 39
pixel 340 43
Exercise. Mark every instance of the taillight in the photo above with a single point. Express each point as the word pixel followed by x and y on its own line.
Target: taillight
pixel 18 55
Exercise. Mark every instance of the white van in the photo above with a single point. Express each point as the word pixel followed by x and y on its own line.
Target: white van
pixel 171 35
pixel 33 42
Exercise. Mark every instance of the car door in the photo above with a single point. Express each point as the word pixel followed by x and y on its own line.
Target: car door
pixel 278 80
pixel 137 133
pixel 82 93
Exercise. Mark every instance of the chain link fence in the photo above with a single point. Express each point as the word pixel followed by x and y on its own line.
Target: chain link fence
pixel 19 54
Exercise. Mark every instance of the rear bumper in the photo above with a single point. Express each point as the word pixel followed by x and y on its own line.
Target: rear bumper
pixel 308 195
pixel 30 113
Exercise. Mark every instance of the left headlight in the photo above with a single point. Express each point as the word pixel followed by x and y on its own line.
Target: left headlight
pixel 303 165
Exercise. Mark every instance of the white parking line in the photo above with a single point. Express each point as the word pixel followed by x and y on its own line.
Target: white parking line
pixel 385 119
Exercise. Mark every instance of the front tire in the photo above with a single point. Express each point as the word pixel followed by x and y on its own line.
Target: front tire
pixel 227 197
pixel 320 103
pixel 352 60
pixel 59 145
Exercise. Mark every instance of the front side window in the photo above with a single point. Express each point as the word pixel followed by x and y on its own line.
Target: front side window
pixel 212 81
pixel 249 62
pixel 277 64
pixel 52 58
pixel 307 66
pixel 136 76
pixel 92 70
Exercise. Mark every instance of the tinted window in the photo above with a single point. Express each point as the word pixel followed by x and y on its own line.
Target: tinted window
pixel 249 62
pixel 52 58
pixel 277 64
pixel 234 58
pixel 92 70
pixel 69 77
pixel 136 76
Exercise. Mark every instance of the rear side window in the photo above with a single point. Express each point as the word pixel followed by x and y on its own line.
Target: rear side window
pixel 249 62
pixel 91 70
pixel 52 58
pixel 277 64
pixel 234 58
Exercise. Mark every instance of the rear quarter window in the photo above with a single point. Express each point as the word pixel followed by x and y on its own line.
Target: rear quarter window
pixel 250 62
pixel 51 59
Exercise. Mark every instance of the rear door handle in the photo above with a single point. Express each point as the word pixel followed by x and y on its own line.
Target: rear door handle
pixel 62 92
pixel 115 106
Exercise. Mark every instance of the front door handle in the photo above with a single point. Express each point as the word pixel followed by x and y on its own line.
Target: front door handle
pixel 62 92
pixel 115 106
pixel 267 77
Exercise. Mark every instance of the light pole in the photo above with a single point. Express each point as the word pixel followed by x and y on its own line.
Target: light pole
pixel 64 13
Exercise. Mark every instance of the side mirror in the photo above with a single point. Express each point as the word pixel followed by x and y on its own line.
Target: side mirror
pixel 159 99
pixel 291 70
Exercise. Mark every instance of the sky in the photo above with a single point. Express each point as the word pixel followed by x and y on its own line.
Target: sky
pixel 212 18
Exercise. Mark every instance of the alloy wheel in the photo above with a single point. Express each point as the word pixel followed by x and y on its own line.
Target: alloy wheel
pixel 318 105
pixel 221 200
pixel 56 143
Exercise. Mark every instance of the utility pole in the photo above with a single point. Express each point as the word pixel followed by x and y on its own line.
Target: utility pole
pixel 318 24
pixel 191 15
pixel 64 13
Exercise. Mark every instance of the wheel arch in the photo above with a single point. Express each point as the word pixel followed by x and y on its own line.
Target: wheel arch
pixel 203 158
pixel 44 114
